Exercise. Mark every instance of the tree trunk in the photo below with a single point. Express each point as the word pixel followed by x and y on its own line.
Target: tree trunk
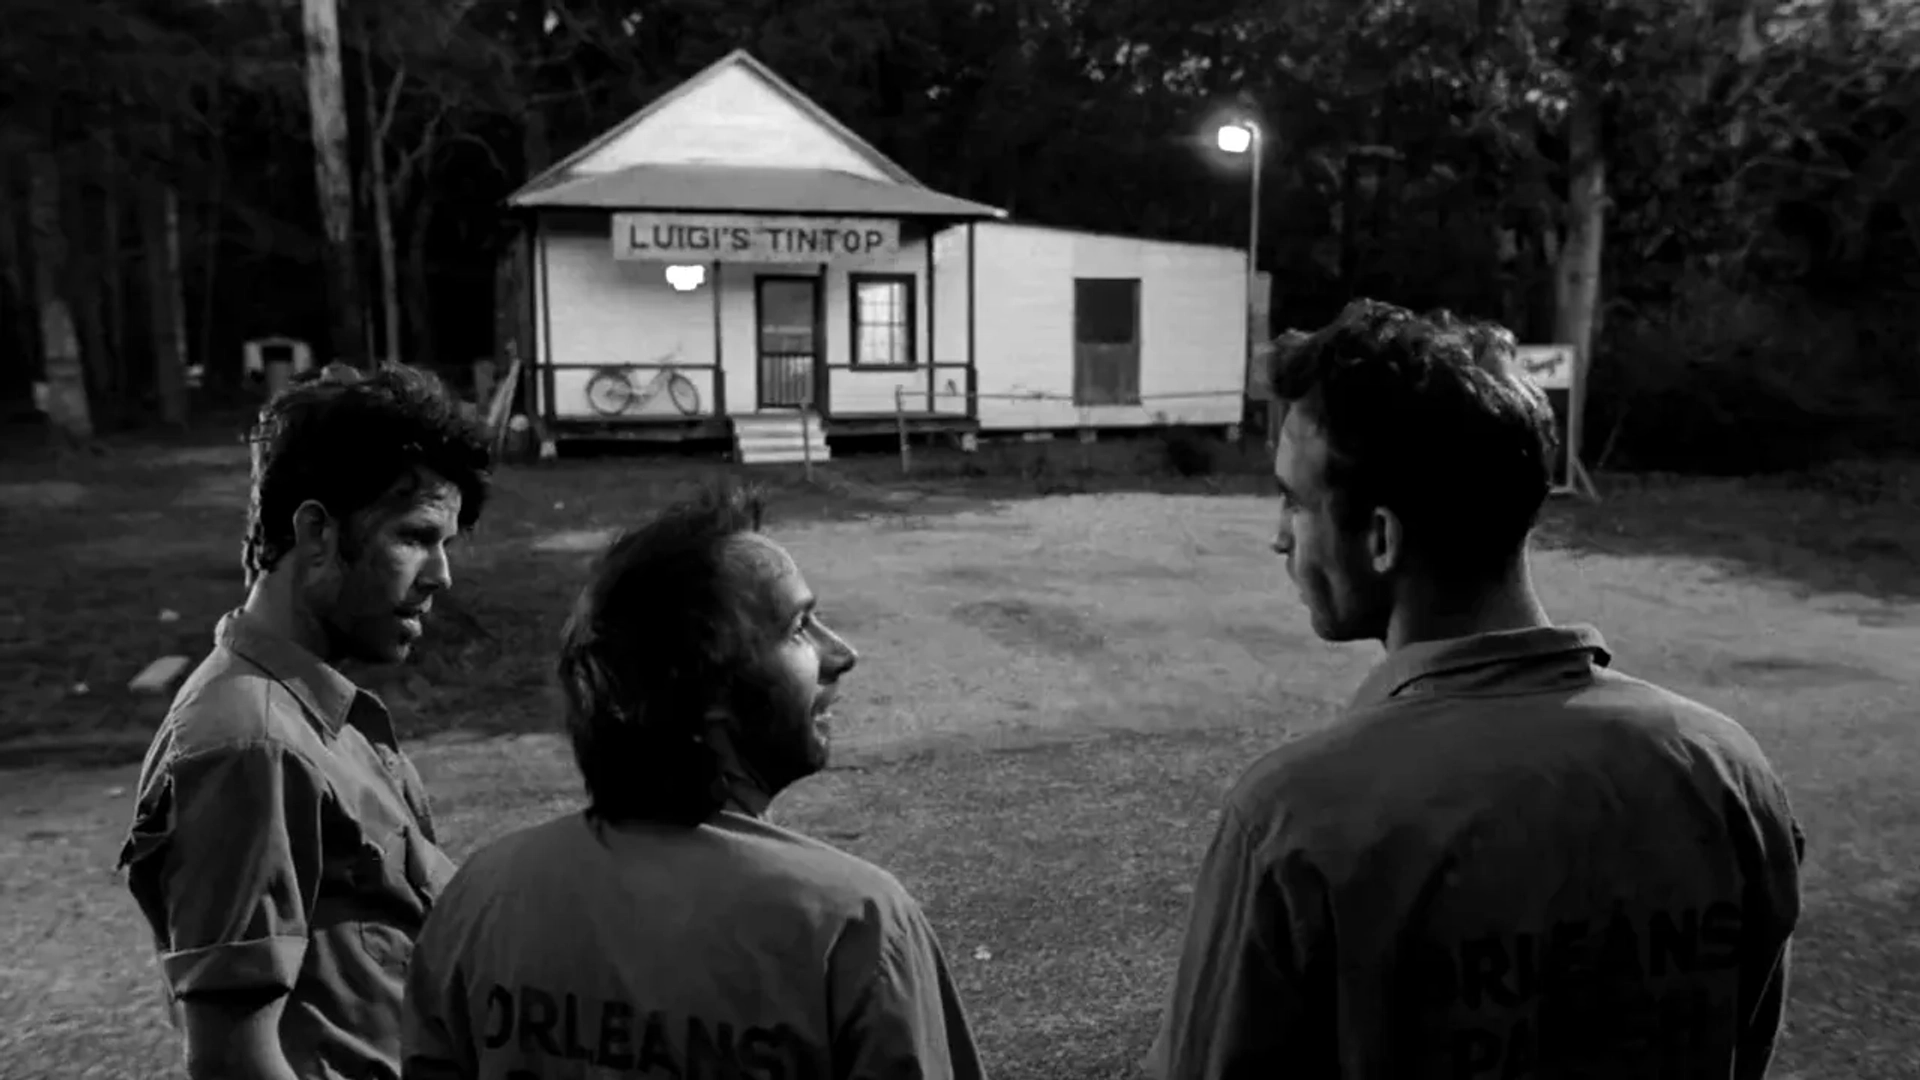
pixel 998 120
pixel 112 266
pixel 1577 268
pixel 87 307
pixel 86 273
pixel 1577 273
pixel 166 302
pixel 382 195
pixel 67 406
pixel 419 296
pixel 20 343
pixel 507 304
pixel 536 152
pixel 1513 269
pixel 212 228
pixel 389 275
pixel 1350 223
pixel 326 101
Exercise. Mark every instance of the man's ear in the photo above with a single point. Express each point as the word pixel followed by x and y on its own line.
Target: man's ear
pixel 1386 541
pixel 316 534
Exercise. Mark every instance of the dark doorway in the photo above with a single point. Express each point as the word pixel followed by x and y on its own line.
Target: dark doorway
pixel 787 331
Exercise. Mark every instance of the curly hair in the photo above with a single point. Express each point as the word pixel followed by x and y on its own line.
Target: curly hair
pixel 1427 417
pixel 348 439
pixel 664 632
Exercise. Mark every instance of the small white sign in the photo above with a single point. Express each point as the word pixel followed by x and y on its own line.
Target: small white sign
pixel 748 238
pixel 1550 367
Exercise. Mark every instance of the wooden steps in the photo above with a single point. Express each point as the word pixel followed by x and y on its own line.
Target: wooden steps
pixel 779 439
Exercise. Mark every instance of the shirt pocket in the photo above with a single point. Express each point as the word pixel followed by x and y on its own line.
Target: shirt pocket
pixel 428 868
pixel 398 879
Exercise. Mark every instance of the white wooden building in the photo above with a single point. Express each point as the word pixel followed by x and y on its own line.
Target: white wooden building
pixel 1079 329
pixel 731 255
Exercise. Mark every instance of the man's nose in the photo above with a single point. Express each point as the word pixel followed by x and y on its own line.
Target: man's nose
pixel 437 574
pixel 1283 540
pixel 837 656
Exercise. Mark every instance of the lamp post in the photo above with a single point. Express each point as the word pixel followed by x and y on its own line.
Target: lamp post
pixel 1243 137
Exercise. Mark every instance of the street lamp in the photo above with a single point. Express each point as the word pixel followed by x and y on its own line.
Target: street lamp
pixel 1243 137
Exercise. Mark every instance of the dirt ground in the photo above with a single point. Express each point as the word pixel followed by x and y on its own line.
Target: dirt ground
pixel 1052 695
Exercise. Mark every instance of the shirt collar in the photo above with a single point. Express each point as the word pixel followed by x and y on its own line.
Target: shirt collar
pixel 746 797
pixel 1409 664
pixel 326 694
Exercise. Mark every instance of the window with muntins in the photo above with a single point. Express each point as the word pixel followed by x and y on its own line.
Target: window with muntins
pixel 883 320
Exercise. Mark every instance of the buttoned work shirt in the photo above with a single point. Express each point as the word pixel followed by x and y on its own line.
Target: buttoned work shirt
pixel 1506 860
pixel 282 844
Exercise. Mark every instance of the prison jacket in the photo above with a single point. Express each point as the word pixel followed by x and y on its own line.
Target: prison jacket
pixel 735 948
pixel 1506 860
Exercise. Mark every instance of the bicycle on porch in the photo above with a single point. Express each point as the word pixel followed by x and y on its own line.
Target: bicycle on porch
pixel 615 390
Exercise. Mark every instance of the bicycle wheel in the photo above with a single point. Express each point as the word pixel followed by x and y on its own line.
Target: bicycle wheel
pixel 609 391
pixel 685 395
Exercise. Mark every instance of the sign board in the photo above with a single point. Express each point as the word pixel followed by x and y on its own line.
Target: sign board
pixel 257 354
pixel 1553 370
pixel 1550 367
pixel 750 238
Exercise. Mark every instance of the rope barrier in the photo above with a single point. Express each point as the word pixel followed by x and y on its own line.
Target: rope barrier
pixel 1042 395
pixel 914 399
pixel 1084 411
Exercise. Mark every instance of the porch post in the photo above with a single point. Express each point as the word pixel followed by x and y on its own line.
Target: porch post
pixel 822 395
pixel 544 301
pixel 719 364
pixel 933 348
pixel 973 330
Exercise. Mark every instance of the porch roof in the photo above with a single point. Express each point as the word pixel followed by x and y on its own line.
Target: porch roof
pixel 747 189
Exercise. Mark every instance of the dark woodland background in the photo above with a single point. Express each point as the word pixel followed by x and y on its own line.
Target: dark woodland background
pixel 1759 304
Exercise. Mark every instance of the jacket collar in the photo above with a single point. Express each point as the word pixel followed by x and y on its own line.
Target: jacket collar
pixel 1427 659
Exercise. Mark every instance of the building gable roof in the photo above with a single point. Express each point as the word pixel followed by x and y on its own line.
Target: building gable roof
pixel 738 61
pixel 751 190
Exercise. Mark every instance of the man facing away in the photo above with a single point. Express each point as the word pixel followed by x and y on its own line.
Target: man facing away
pixel 670 929
pixel 281 848
pixel 1505 860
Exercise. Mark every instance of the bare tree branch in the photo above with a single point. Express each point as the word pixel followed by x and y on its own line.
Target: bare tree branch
pixel 392 106
pixel 403 172
pixel 486 148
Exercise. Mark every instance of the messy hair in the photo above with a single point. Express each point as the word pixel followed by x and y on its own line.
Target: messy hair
pixel 1424 415
pixel 657 641
pixel 348 439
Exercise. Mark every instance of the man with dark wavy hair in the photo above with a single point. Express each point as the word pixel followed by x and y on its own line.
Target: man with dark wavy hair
pixel 282 849
pixel 1505 859
pixel 671 929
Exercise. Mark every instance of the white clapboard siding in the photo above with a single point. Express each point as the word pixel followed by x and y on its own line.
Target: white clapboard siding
pixel 1192 325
